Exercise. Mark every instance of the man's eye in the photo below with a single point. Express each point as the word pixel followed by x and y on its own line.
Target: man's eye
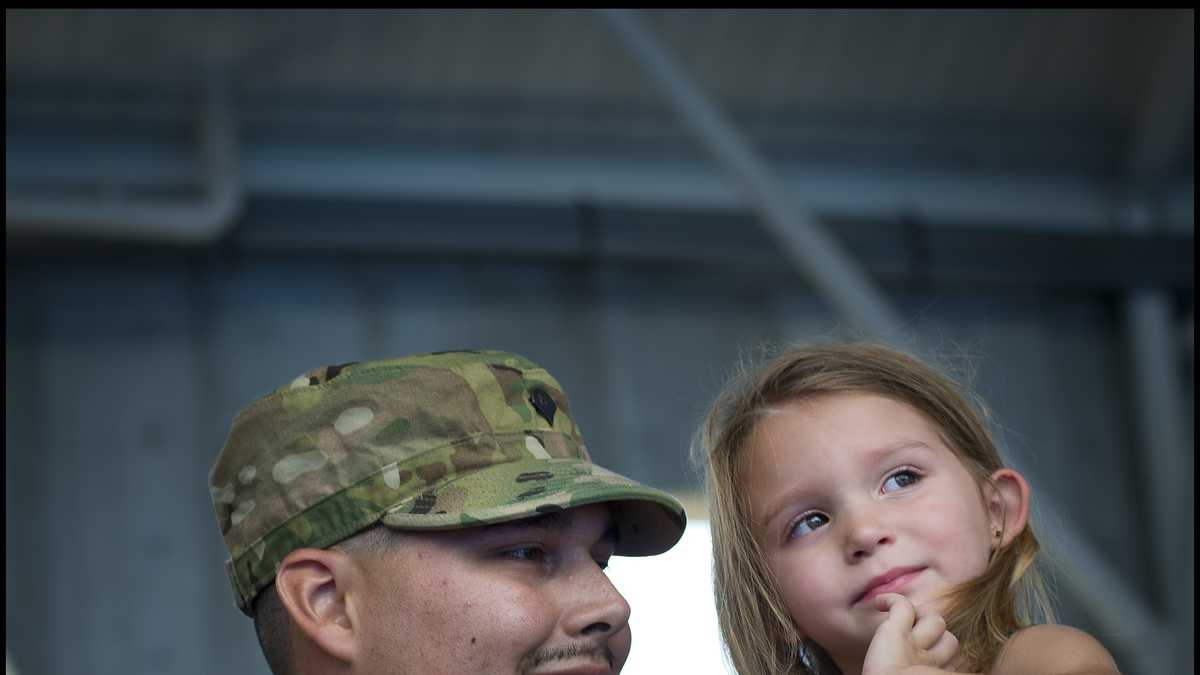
pixel 901 479
pixel 530 553
pixel 808 523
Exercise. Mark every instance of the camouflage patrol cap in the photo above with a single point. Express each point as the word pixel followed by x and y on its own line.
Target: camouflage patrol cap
pixel 431 442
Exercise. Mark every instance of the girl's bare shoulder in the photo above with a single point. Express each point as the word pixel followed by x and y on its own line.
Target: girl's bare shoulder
pixel 1052 649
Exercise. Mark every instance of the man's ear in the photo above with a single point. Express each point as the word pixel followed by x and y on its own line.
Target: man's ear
pixel 1007 501
pixel 312 585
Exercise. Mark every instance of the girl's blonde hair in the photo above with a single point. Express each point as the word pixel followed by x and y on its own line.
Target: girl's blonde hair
pixel 758 630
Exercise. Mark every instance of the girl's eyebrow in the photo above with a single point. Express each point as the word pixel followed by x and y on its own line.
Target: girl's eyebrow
pixel 874 456
pixel 777 505
pixel 881 453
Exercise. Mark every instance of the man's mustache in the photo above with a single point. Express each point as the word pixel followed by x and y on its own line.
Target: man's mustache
pixel 592 652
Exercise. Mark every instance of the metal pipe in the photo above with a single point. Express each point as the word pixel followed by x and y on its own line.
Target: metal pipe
pixel 179 223
pixel 1160 139
pixel 1125 620
pixel 816 254
pixel 1169 463
pixel 306 168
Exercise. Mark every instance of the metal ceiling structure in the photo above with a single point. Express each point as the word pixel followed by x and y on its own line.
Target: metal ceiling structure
pixel 974 147
pixel 997 108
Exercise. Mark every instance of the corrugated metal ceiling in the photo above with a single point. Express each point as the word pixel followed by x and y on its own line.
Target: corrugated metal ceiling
pixel 1006 63
pixel 1063 88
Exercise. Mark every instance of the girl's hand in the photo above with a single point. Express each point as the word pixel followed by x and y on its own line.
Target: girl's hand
pixel 910 638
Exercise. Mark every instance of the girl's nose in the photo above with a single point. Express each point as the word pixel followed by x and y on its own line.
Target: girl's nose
pixel 866 533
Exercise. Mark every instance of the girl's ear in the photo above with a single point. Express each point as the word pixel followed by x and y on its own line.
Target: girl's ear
pixel 1007 501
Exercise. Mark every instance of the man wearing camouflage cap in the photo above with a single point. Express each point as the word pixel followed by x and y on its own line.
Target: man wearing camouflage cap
pixel 430 514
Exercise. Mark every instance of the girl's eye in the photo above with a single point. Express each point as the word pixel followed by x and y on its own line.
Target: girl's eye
pixel 808 523
pixel 901 479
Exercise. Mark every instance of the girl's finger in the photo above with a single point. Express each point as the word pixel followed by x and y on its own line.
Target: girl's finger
pixel 900 610
pixel 929 629
pixel 944 649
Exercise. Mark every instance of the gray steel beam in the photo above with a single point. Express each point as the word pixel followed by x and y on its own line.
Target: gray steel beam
pixel 1128 622
pixel 174 221
pixel 1162 135
pixel 301 168
pixel 1169 464
pixel 816 254
pixel 900 252
pixel 510 123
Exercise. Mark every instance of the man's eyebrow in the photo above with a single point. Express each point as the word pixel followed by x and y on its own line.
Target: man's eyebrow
pixel 546 522
pixel 555 520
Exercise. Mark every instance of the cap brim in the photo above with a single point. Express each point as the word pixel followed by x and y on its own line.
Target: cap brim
pixel 649 521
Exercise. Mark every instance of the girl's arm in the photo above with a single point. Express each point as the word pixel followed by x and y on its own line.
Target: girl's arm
pixel 1054 650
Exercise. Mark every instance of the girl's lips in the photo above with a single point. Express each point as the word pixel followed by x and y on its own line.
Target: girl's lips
pixel 893 581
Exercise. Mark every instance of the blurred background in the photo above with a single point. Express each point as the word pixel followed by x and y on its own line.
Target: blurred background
pixel 201 205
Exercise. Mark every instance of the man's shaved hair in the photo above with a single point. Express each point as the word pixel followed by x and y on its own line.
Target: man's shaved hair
pixel 273 625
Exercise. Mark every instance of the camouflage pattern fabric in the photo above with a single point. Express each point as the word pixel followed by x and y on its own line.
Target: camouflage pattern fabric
pixel 436 441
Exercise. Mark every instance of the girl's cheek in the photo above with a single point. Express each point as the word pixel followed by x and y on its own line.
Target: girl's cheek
pixel 799 579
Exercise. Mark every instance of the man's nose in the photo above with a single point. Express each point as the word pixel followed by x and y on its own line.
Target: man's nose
pixel 594 607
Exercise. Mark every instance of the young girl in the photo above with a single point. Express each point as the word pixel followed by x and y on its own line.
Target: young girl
pixel 863 523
